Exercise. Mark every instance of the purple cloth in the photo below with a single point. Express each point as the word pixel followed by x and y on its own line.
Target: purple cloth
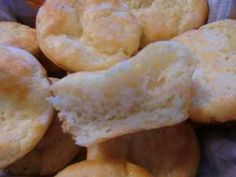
pixel 218 146
pixel 6 14
pixel 221 9
pixel 17 10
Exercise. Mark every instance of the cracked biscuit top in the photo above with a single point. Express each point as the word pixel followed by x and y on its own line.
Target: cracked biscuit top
pixel 87 35
pixel 165 19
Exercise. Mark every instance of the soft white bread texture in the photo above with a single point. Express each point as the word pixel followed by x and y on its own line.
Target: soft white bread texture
pixel 111 168
pixel 150 90
pixel 25 112
pixel 87 35
pixel 160 151
pixel 213 83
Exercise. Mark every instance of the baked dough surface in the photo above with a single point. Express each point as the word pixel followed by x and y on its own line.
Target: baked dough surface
pixel 87 35
pixel 171 151
pixel 20 36
pixel 25 112
pixel 53 153
pixel 150 90
pixel 213 82
pixel 165 19
pixel 111 168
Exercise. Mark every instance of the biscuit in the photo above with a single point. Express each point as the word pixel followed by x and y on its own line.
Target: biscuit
pixel 20 36
pixel 87 35
pixel 150 90
pixel 25 112
pixel 165 19
pixel 224 26
pixel 110 168
pixel 52 153
pixel 23 37
pixel 213 82
pixel 160 151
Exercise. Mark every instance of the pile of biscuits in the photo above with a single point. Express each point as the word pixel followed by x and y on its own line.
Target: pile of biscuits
pixel 112 88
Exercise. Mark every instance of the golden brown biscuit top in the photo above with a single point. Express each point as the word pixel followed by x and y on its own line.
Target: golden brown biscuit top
pixel 139 4
pixel 100 168
pixel 97 34
pixel 215 46
pixel 226 37
pixel 164 19
pixel 154 150
pixel 18 35
pixel 24 111
pixel 53 153
pixel 221 26
pixel 213 97
pixel 93 34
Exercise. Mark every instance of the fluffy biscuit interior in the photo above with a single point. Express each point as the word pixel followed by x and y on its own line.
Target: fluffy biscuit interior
pixel 148 91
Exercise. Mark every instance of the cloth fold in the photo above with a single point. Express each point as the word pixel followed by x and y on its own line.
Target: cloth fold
pixel 221 9
pixel 6 14
pixel 218 146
